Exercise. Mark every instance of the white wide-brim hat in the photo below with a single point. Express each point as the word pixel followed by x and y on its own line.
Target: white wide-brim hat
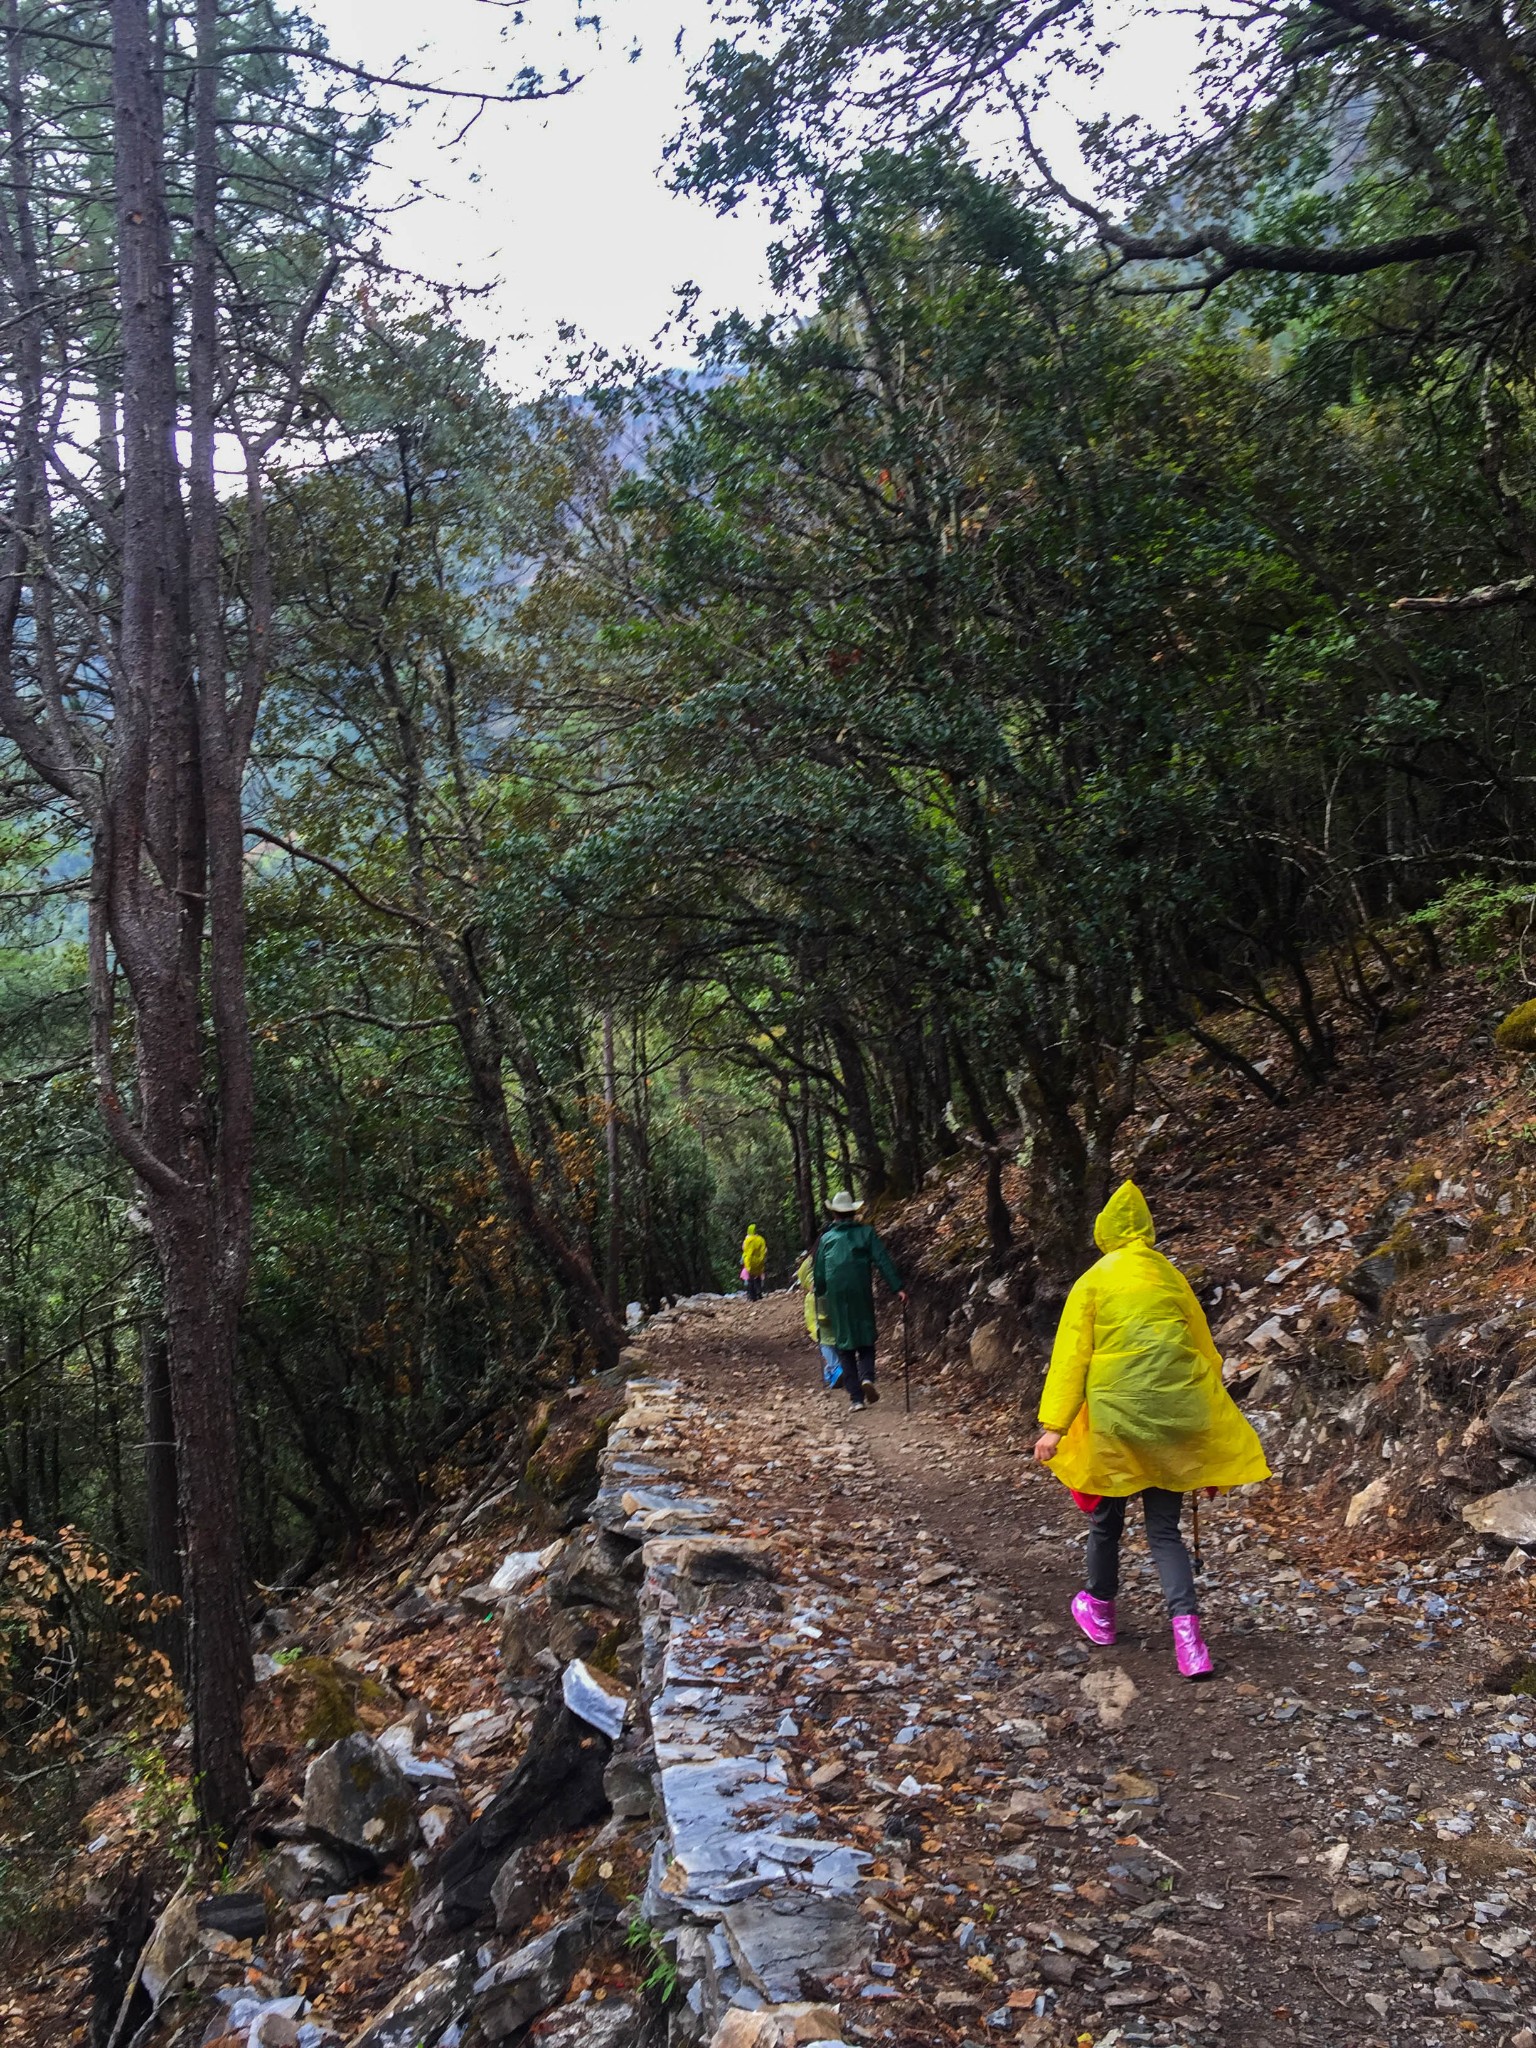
pixel 843 1204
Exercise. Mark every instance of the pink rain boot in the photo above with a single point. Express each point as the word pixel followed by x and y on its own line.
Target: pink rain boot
pixel 1189 1647
pixel 1096 1618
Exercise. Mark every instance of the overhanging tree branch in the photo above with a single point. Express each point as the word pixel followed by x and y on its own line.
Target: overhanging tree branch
pixel 1236 253
pixel 1518 590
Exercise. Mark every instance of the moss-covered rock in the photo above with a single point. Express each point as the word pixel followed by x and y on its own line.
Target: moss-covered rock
pixel 1517 1033
pixel 561 1476
pixel 315 1701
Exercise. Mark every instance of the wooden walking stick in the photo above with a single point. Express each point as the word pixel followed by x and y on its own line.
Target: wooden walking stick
pixel 906 1359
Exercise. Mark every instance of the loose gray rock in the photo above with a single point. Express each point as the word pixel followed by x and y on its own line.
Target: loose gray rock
pixel 424 2009
pixel 400 1741
pixel 579 1631
pixel 528 1982
pixel 1508 1516
pixel 514 1893
pixel 240 1915
pixel 306 1870
pixel 714 1560
pixel 525 1627
pixel 616 2023
pixel 630 1783
pixel 556 1788
pixel 1368 1500
pixel 1371 1279
pixel 357 1799
pixel 519 1568
pixel 172 1952
pixel 594 1569
pixel 1512 1418
pixel 777 1941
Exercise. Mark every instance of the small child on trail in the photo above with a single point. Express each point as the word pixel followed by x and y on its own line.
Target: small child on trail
pixel 817 1327
pixel 1134 1404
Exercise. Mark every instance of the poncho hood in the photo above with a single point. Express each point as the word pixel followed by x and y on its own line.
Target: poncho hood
pixel 1124 1219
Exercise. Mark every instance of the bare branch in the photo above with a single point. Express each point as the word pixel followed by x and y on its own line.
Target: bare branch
pixel 398 82
pixel 342 875
pixel 1236 254
pixel 1519 590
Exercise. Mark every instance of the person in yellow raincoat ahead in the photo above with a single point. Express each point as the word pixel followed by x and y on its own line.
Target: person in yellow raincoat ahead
pixel 754 1258
pixel 1134 1404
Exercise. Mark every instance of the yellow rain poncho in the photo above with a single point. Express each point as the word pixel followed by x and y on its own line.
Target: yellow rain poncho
pixel 754 1250
pixel 1135 1380
pixel 817 1327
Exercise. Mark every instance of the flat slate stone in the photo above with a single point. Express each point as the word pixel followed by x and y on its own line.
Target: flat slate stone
pixel 712 1560
pixel 776 1941
pixel 716 1814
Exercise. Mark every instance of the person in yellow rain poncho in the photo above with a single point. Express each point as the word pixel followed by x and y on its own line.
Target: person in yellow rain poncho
pixel 817 1327
pixel 1134 1404
pixel 754 1258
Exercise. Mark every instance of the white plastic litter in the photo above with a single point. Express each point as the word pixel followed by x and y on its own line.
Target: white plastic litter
pixel 517 1569
pixel 420 1770
pixel 597 1699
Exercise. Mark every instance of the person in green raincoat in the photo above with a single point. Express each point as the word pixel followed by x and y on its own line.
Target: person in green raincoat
pixel 847 1253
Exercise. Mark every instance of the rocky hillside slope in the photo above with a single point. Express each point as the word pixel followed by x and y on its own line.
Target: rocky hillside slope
pixel 1366 1251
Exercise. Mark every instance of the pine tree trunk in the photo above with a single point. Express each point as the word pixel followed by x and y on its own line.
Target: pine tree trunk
pixel 162 1537
pixel 614 1276
pixel 200 1325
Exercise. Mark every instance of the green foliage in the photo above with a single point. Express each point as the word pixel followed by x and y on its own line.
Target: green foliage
pixel 1484 919
pixel 646 1943
pixel 162 1800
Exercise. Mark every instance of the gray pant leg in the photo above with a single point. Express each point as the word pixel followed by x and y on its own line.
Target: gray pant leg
pixel 1105 1526
pixel 1174 1570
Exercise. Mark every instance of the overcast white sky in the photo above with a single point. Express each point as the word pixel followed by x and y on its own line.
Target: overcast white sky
pixel 562 206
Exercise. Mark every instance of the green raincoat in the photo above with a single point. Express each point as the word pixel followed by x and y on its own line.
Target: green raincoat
pixel 847 1253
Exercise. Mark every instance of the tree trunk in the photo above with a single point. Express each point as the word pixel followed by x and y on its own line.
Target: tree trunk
pixel 614 1277
pixel 799 1121
pixel 162 1539
pixel 999 1216
pixel 488 1094
pixel 1060 1213
pixel 906 1085
pixel 477 1026
pixel 200 1325
pixel 156 775
pixel 157 878
pixel 861 1115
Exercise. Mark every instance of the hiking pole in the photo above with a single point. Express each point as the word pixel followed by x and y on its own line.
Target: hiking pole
pixel 906 1358
pixel 1194 1502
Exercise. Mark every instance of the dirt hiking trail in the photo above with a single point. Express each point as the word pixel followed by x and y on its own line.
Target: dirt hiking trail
pixel 1330 1843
